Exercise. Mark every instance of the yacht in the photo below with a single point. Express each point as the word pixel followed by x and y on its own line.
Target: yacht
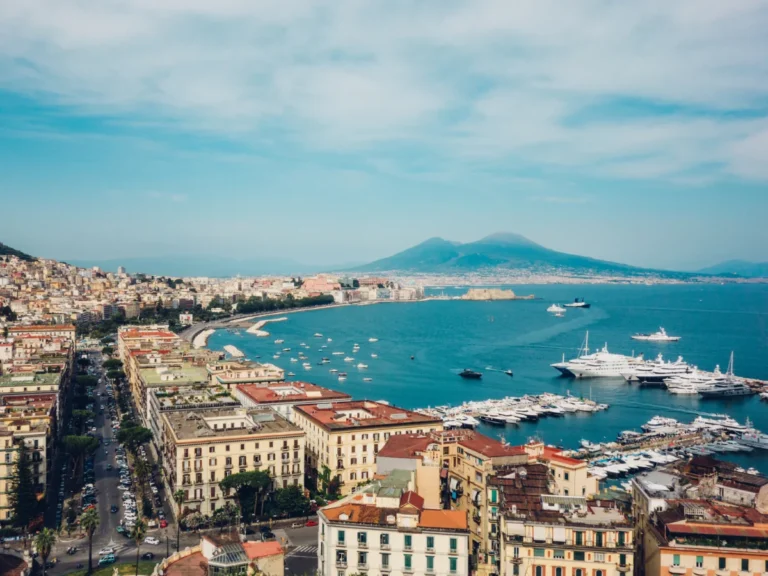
pixel 361 365
pixel 655 373
pixel 374 355
pixel 367 379
pixel 578 303
pixel 338 353
pixel 373 339
pixel 660 336
pixel 556 309
pixel 279 341
pixel 493 418
pixel 659 422
pixel 470 374
pixel 691 382
pixel 603 364
pixel 729 385
pixel 349 359
pixel 318 335
pixel 719 421
pixel 754 439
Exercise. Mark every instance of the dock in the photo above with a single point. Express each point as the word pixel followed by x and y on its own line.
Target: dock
pixel 232 351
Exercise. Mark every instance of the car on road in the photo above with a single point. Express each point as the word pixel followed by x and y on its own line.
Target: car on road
pixel 267 536
pixel 163 523
pixel 122 487
pixel 110 559
pixel 311 523
pixel 147 556
pixel 106 550
pixel 151 540
pixel 114 509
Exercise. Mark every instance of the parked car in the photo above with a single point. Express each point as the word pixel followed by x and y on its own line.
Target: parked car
pixel 147 556
pixel 106 550
pixel 311 523
pixel 114 509
pixel 151 540
pixel 110 559
pixel 163 524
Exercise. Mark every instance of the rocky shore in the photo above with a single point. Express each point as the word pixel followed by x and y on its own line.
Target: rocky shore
pixel 493 294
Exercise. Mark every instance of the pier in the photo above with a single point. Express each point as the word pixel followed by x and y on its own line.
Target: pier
pixel 232 351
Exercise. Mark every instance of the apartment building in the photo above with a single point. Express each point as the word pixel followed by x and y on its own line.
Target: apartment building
pixel 168 375
pixel 35 435
pixel 24 382
pixel 570 475
pixel 67 331
pixel 231 374
pixel 283 396
pixel 386 530
pixel 203 447
pixel 545 534
pixel 346 436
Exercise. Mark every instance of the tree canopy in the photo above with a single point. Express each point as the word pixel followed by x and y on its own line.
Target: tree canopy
pixel 23 499
pixel 133 437
pixel 112 364
pixel 250 488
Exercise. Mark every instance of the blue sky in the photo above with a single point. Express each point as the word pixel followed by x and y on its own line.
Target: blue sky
pixel 333 132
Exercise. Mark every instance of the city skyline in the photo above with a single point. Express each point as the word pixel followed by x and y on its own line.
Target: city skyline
pixel 332 134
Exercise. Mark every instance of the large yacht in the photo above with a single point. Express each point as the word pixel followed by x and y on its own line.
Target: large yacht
pixel 753 438
pixel 729 385
pixel 693 381
pixel 656 372
pixel 598 364
pixel 660 336
pixel 719 421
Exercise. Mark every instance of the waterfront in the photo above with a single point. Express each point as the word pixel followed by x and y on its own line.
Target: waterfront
pixel 447 336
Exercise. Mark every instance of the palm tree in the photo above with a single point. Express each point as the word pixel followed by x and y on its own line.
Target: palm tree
pixel 89 523
pixel 137 533
pixel 44 542
pixel 179 496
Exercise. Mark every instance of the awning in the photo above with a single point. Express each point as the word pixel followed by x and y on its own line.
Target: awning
pixel 454 483
pixel 475 494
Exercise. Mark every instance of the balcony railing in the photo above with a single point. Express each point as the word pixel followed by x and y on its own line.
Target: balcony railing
pixel 625 567
pixel 341 544
pixel 341 563
pixel 384 546
pixel 361 544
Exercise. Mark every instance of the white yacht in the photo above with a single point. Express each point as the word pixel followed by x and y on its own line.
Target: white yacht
pixel 729 385
pixel 692 382
pixel 556 309
pixel 753 438
pixel 660 336
pixel 373 339
pixel 719 421
pixel 658 423
pixel 603 364
pixel 362 366
pixel 656 372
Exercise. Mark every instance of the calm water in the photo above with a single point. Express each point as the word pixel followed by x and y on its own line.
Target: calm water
pixel 447 336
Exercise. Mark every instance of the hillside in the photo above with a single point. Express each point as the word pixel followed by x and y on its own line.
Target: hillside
pixel 497 251
pixel 742 268
pixel 8 251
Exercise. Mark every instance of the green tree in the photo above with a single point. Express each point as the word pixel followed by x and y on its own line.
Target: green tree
pixel 324 480
pixel 83 362
pixel 107 350
pixel 137 534
pixel 112 364
pixel 79 448
pixel 134 437
pixel 89 522
pixel 44 542
pixel 291 501
pixel 115 374
pixel 79 418
pixel 250 489
pixel 23 499
pixel 179 497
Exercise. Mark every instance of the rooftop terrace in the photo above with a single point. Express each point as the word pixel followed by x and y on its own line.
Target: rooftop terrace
pixel 177 374
pixel 363 414
pixel 227 422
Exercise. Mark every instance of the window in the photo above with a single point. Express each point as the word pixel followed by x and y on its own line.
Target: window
pixel 228 461
pixel 558 571
pixel 599 539
pixel 598 573
pixel 430 563
pixel 745 564
pixel 271 444
pixel 257 445
pixel 578 572
pixel 385 560
pixel 242 460
pixel 384 540
pixel 341 537
pixel 579 538
pixel 699 562
pixel 676 560
pixel 362 558
pixel 408 541
pixel 454 545
pixel 408 562
pixel 494 495
pixel 565 476
pixel 538 552
pixel 212 449
pixel 515 569
pixel 559 554
pixel 579 556
pixel 599 557
pixel 516 552
pixel 226 448
pixel 721 563
pixel 539 571
pixel 453 564
pixel 430 542
pixel 622 538
pixel 362 538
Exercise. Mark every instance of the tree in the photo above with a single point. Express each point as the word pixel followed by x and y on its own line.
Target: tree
pixel 83 362
pixel 107 350
pixel 44 542
pixel 23 499
pixel 179 497
pixel 134 437
pixel 137 534
pixel 89 522
pixel 250 488
pixel 115 374
pixel 80 417
pixel 112 364
pixel 324 479
pixel 78 448
pixel 291 502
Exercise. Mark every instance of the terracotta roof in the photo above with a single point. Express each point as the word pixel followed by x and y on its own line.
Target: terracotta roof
pixel 41 328
pixel 193 565
pixel 410 498
pixel 446 519
pixel 289 391
pixel 490 447
pixel 405 446
pixel 363 414
pixel 262 549
pixel 556 454
pixel 717 530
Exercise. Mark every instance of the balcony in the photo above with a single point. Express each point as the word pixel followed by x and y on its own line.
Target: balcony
pixel 627 568
pixel 700 571
pixel 341 544
pixel 677 570
pixel 362 566
pixel 384 546
pixel 430 570
pixel 430 549
pixel 453 551
pixel 341 563
pixel 408 547
pixel 362 544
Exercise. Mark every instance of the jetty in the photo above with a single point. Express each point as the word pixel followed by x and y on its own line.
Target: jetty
pixel 232 351
pixel 256 329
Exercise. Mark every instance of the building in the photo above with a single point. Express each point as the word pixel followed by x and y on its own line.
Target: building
pixel 283 396
pixel 203 447
pixel 232 373
pixel 570 475
pixel 168 375
pixel 121 270
pixel 186 319
pixel 387 530
pixel 224 555
pixel 346 436
pixel 544 534
pixel 65 330
pixel 705 537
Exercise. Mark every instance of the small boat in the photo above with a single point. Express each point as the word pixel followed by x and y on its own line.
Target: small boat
pixel 338 353
pixel 329 340
pixel 509 372
pixel 362 366
pixel 279 341
pixel 373 339
pixel 660 336
pixel 374 355
pixel 349 359
pixel 333 370
pixel 286 349
pixel 342 378
pixel 470 374
pixel 367 379
pixel 276 356
pixel 291 374
pixel 294 360
pixel 318 335
pixel 578 303
pixel 555 309
pixel 413 357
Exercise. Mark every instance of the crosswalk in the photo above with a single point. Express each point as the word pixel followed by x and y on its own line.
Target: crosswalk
pixel 303 551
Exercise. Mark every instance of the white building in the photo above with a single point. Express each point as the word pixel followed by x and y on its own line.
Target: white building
pixel 384 529
pixel 185 319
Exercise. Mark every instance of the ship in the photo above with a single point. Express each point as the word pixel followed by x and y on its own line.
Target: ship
pixel 470 374
pixel 660 336
pixel 578 303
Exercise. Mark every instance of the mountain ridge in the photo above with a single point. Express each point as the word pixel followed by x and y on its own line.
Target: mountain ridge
pixel 744 268
pixel 6 250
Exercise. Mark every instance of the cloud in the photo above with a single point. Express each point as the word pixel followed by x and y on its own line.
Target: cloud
pixel 491 82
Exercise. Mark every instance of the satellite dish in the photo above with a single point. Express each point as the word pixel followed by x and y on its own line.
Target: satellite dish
pixel 522 472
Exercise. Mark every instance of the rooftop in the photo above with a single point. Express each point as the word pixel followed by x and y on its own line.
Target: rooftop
pixel 355 513
pixel 707 522
pixel 29 379
pixel 185 397
pixel 222 423
pixel 275 392
pixel 363 414
pixel 176 374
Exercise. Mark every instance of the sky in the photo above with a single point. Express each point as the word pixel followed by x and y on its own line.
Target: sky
pixel 344 131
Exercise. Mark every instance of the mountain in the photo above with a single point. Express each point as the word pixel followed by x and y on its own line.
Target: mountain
pixel 202 265
pixel 742 268
pixel 8 251
pixel 502 251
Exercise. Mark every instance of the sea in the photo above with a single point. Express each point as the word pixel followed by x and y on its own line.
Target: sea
pixel 422 346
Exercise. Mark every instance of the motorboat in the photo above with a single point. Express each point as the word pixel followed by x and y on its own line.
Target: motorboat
pixel 279 341
pixel 373 339
pixel 470 374
pixel 493 418
pixel 362 366
pixel 374 355
pixel 318 335
pixel 367 379
pixel 660 336
pixel 556 309
pixel 578 303
pixel 659 422
pixel 349 359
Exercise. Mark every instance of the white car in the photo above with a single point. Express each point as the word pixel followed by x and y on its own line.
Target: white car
pixel 104 551
pixel 121 487
pixel 151 540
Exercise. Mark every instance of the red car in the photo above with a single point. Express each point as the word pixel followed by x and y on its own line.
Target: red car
pixel 311 523
pixel 163 523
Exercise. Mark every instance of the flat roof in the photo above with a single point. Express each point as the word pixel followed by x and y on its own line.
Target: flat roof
pixel 276 392
pixel 30 379
pixel 223 423
pixel 454 520
pixel 174 374
pixel 191 396
pixel 362 414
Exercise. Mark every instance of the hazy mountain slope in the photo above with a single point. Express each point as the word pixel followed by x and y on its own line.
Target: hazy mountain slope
pixel 8 251
pixel 739 268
